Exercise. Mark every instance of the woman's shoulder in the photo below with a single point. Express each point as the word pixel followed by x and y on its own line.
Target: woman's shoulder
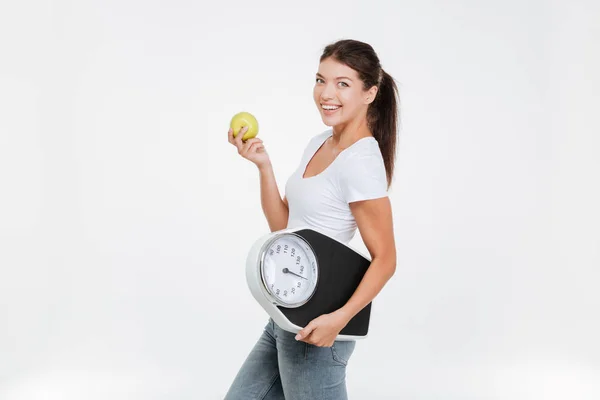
pixel 367 147
pixel 320 137
pixel 363 157
pixel 317 140
pixel 314 142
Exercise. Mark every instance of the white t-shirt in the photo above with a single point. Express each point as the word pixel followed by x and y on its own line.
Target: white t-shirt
pixel 322 201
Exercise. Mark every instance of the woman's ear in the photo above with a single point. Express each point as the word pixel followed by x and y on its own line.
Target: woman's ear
pixel 370 96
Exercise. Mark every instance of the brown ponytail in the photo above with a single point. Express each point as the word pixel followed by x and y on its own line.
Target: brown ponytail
pixel 383 113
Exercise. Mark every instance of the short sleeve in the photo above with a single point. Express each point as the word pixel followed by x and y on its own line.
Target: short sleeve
pixel 363 177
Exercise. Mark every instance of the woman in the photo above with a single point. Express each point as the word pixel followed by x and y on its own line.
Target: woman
pixel 347 170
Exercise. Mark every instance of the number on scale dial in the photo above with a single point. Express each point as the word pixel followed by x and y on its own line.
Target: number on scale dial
pixel 289 270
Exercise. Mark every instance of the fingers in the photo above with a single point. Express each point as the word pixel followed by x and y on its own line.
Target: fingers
pixel 305 331
pixel 237 140
pixel 250 145
pixel 256 147
pixel 311 335
pixel 240 135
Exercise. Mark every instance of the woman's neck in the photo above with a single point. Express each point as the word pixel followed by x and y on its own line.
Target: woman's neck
pixel 344 135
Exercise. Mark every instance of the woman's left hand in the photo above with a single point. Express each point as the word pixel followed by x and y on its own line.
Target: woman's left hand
pixel 323 330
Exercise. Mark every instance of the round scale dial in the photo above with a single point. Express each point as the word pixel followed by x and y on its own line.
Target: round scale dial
pixel 289 270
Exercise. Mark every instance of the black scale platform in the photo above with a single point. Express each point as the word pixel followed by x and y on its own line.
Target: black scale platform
pixel 340 271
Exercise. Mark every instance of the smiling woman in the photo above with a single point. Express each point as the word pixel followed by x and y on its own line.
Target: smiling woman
pixel 339 186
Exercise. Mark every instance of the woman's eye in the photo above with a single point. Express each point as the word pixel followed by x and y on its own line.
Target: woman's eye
pixel 319 79
pixel 344 83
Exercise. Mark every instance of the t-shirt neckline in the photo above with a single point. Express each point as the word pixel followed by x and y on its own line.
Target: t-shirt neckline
pixel 303 171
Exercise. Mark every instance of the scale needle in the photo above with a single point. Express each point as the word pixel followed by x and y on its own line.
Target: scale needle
pixel 287 271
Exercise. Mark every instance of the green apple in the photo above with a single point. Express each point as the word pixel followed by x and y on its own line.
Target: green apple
pixel 242 119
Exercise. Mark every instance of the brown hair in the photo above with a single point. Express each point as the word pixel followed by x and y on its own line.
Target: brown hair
pixel 383 112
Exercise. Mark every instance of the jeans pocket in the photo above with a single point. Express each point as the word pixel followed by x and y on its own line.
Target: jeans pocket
pixel 342 350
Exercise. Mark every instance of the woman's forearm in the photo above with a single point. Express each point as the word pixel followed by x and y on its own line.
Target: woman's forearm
pixel 274 208
pixel 377 275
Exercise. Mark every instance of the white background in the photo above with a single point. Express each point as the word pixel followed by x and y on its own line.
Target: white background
pixel 126 216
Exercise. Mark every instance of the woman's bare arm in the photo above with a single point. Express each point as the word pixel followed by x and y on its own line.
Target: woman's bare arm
pixel 375 223
pixel 374 220
pixel 275 209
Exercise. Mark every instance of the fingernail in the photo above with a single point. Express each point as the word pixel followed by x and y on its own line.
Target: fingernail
pixel 297 337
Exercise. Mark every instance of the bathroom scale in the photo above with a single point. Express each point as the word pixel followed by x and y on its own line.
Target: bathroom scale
pixel 299 274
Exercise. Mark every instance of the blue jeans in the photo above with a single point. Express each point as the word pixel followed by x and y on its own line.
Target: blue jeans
pixel 280 367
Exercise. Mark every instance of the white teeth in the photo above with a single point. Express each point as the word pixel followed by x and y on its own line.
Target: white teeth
pixel 330 107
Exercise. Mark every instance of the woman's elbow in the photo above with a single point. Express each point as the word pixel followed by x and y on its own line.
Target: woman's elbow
pixel 391 263
pixel 388 266
pixel 391 269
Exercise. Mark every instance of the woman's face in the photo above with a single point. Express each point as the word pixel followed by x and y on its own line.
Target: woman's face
pixel 339 94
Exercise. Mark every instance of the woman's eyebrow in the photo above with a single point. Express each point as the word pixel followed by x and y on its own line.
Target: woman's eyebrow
pixel 339 77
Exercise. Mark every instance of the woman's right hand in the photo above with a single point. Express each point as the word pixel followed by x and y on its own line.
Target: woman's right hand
pixel 252 149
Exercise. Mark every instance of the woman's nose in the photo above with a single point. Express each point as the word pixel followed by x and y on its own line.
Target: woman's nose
pixel 328 92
